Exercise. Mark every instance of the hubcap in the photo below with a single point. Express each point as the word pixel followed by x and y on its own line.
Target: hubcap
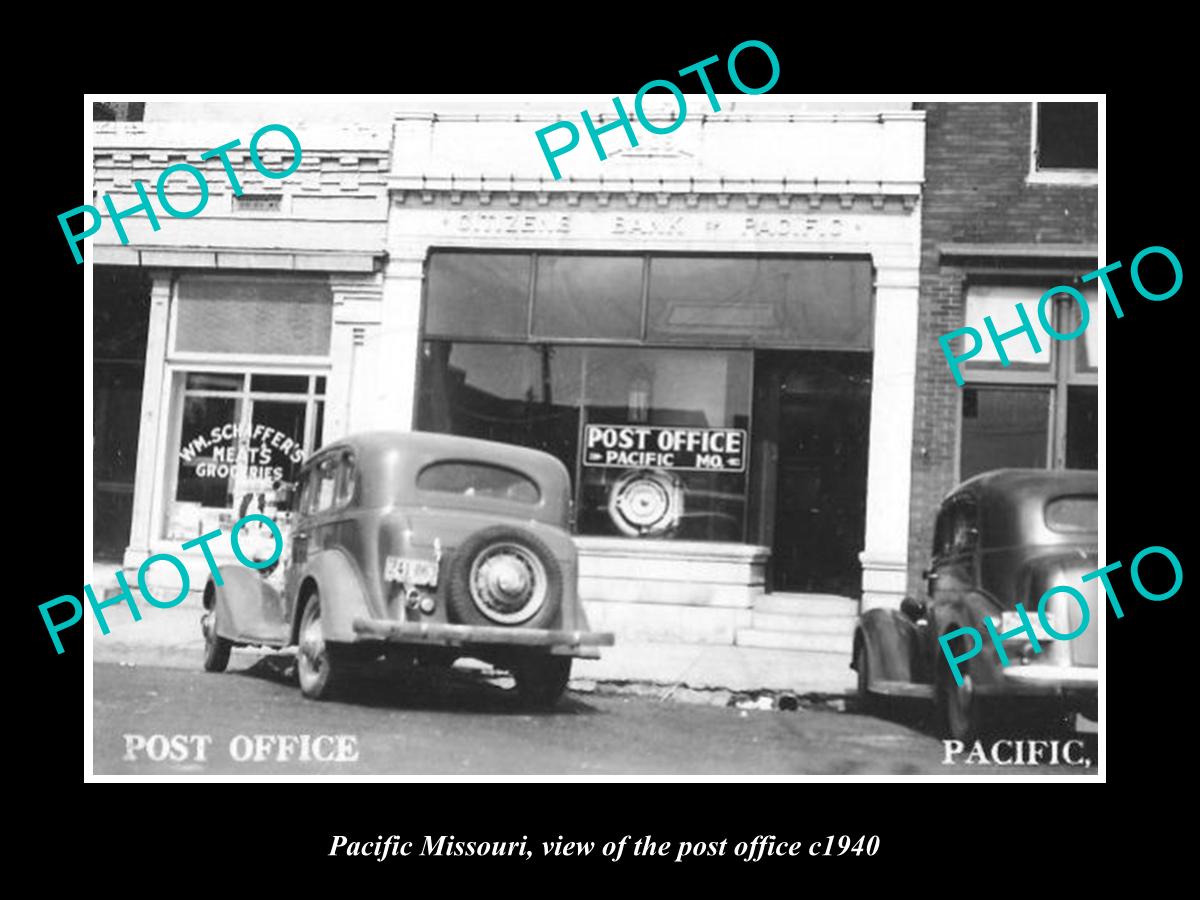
pixel 508 583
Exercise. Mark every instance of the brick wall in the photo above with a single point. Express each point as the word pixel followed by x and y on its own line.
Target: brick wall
pixel 976 163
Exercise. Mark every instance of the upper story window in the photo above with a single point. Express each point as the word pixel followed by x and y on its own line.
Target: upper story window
pixel 1041 410
pixel 1065 143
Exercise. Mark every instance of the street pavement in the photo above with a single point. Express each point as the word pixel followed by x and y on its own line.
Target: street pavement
pixel 460 723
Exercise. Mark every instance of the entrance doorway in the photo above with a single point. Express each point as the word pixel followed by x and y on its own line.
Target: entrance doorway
pixel 811 422
pixel 122 317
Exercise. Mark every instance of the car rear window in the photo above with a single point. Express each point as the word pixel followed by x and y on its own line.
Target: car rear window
pixel 1071 514
pixel 478 480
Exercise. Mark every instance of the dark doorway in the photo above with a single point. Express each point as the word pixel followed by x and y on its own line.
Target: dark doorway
pixel 122 315
pixel 811 423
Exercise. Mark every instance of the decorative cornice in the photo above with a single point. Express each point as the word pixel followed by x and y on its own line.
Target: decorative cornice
pixel 239 258
pixel 724 117
pixel 1017 251
pixel 870 197
pixel 484 184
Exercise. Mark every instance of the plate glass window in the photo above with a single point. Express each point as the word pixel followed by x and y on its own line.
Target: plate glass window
pixel 240 438
pixel 653 353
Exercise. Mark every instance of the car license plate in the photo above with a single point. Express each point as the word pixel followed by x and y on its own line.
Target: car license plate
pixel 417 572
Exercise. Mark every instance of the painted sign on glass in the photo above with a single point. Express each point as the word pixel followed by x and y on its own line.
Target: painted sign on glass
pixel 657 447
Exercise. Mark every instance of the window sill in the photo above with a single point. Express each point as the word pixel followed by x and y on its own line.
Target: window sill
pixel 1078 177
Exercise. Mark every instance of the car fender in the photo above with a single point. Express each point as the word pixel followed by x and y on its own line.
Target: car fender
pixel 245 607
pixel 343 595
pixel 892 643
pixel 967 611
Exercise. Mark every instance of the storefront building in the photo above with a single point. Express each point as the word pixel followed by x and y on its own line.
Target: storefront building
pixel 715 331
pixel 1009 211
pixel 240 316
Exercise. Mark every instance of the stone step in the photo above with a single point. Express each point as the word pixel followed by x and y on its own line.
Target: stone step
pixel 807 605
pixel 794 640
pixel 768 621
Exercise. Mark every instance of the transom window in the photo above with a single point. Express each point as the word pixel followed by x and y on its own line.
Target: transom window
pixel 776 301
pixel 247 315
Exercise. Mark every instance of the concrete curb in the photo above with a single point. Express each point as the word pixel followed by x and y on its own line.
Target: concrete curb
pixel 188 655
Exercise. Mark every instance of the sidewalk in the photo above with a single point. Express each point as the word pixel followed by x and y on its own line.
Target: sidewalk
pixel 172 638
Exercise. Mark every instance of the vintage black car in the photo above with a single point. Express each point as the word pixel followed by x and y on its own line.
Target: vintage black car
pixel 418 547
pixel 1001 538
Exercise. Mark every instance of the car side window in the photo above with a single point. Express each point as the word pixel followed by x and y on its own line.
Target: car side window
pixel 347 477
pixel 326 483
pixel 965 526
pixel 303 493
pixel 942 533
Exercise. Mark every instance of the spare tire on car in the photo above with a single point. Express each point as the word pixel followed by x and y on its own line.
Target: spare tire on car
pixel 504 576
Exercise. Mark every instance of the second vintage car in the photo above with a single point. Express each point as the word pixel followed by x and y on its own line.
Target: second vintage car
pixel 417 546
pixel 1001 538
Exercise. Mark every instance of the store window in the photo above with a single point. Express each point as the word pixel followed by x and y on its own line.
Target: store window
pixel 241 437
pixel 665 443
pixel 635 370
pixel 1065 144
pixel 663 431
pixel 1040 411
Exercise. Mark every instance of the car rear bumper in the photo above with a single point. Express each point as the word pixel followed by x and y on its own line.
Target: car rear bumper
pixel 568 643
pixel 1045 681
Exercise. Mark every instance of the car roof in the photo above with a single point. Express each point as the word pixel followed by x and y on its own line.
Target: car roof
pixel 372 445
pixel 1011 504
pixel 1012 486
pixel 389 463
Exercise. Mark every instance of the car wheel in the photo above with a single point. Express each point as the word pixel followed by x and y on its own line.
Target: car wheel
pixel 504 576
pixel 319 677
pixel 542 680
pixel 216 648
pixel 958 708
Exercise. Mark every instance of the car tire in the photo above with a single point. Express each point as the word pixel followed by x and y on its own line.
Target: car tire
pixel 216 648
pixel 319 676
pixel 959 711
pixel 504 576
pixel 542 680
